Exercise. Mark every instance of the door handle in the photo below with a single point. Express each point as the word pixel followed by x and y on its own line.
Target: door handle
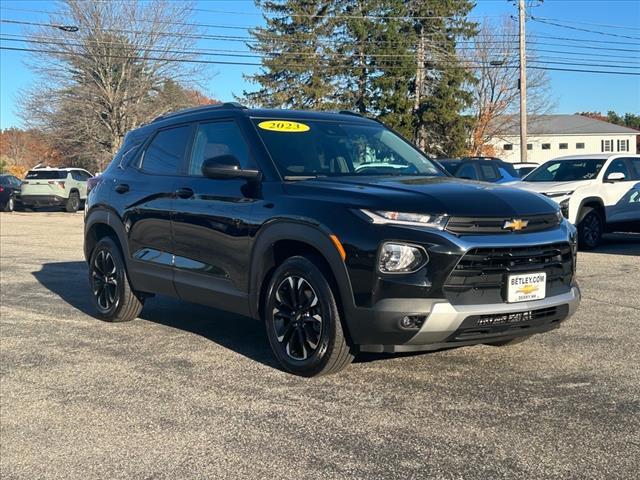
pixel 184 192
pixel 122 188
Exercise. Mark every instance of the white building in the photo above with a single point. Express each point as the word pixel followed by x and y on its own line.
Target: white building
pixel 551 136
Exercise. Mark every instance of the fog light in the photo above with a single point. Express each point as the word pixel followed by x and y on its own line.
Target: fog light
pixel 412 321
pixel 401 258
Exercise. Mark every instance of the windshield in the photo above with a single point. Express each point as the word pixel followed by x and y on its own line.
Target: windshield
pixel 566 170
pixel 327 148
pixel 47 174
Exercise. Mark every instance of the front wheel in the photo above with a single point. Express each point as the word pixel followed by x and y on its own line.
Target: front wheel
pixel 590 229
pixel 112 295
pixel 303 320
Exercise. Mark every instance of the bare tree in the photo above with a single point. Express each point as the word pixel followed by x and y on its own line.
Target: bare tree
pixel 103 67
pixel 496 92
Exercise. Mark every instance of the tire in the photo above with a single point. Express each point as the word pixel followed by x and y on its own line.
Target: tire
pixel 590 229
pixel 303 321
pixel 111 293
pixel 73 202
pixel 508 343
pixel 10 205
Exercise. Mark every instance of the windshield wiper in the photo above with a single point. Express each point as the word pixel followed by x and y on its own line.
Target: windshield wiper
pixel 302 177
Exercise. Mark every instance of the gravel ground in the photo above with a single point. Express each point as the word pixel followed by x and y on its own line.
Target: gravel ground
pixel 190 392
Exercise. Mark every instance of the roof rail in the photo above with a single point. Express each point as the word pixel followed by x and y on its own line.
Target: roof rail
pixel 349 112
pixel 197 109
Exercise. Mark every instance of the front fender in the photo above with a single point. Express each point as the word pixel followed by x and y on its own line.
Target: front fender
pixel 313 234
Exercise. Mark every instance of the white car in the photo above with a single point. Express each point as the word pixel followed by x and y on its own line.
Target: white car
pixel 596 192
pixel 50 187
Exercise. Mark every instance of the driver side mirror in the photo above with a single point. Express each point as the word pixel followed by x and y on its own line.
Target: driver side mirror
pixel 225 167
pixel 616 177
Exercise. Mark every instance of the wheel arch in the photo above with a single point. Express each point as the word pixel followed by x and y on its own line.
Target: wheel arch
pixel 100 224
pixel 592 202
pixel 283 239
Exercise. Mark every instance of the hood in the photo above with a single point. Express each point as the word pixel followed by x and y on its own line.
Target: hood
pixel 550 187
pixel 435 195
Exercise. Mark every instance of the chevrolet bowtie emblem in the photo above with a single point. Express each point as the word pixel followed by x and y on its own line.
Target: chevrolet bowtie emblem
pixel 527 289
pixel 516 225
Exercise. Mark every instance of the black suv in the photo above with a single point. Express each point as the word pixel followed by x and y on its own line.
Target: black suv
pixel 336 232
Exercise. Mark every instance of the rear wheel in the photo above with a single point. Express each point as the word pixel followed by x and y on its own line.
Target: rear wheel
pixel 10 205
pixel 303 320
pixel 112 295
pixel 590 229
pixel 73 202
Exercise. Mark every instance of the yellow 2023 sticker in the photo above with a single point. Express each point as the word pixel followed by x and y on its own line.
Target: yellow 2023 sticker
pixel 283 126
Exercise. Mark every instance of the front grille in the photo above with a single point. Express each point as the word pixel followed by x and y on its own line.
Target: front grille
pixel 481 274
pixel 489 225
pixel 482 327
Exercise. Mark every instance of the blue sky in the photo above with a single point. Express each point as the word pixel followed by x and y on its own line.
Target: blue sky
pixel 571 91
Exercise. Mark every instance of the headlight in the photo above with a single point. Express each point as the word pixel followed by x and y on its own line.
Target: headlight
pixel 401 258
pixel 564 208
pixel 558 194
pixel 402 218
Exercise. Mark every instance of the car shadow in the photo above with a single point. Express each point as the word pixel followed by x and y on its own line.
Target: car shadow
pixel 618 244
pixel 69 280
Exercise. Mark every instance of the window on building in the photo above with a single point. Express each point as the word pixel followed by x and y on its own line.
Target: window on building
pixel 623 145
pixel 546 146
pixel 529 146
pixel 579 146
pixel 564 146
pixel 606 145
pixel 508 146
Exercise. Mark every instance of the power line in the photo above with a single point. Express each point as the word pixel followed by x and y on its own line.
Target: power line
pixel 57 40
pixel 555 24
pixel 252 39
pixel 608 25
pixel 217 62
pixel 248 54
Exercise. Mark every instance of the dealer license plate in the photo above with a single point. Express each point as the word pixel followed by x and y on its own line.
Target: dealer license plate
pixel 526 286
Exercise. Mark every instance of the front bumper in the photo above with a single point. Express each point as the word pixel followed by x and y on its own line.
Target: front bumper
pixel 42 200
pixel 443 322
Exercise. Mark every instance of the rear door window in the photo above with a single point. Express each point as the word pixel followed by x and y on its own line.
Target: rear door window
pixel 467 171
pixel 165 153
pixel 635 166
pixel 489 172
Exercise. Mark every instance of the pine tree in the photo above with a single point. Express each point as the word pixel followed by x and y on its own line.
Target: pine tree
pixel 295 45
pixel 440 128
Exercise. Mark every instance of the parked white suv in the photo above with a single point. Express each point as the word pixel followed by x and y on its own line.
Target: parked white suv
pixel 65 187
pixel 595 192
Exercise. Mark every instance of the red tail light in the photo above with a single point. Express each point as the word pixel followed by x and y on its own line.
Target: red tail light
pixel 1 189
pixel 60 184
pixel 93 182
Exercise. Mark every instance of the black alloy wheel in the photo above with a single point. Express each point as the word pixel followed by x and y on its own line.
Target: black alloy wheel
pixel 297 317
pixel 105 281
pixel 112 295
pixel 590 230
pixel 303 320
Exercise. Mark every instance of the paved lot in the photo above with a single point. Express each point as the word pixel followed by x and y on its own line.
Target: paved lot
pixel 190 392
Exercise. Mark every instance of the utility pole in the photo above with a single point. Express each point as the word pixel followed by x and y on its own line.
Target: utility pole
pixel 523 83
